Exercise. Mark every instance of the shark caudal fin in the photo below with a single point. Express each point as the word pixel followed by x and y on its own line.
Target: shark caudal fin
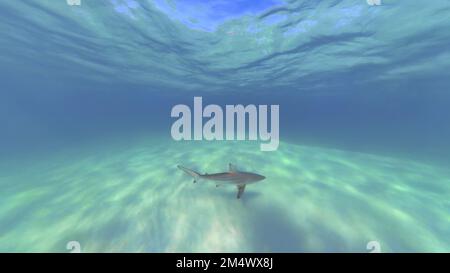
pixel 192 173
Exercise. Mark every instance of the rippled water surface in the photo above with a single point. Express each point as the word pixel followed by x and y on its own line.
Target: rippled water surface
pixel 86 153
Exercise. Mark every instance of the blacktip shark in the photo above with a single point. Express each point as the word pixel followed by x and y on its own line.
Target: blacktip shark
pixel 232 177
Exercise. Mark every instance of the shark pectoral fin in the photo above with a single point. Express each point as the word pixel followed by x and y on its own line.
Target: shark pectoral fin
pixel 241 189
pixel 231 168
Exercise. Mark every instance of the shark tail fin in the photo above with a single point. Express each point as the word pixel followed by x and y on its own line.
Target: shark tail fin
pixel 192 173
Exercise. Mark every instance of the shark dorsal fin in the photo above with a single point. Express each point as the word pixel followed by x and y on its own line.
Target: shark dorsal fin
pixel 231 168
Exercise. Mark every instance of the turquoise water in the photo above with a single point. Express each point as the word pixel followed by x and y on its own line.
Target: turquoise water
pixel 86 153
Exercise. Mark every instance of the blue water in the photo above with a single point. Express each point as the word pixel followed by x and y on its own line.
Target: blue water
pixel 86 153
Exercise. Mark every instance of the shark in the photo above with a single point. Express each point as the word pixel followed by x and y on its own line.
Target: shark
pixel 232 177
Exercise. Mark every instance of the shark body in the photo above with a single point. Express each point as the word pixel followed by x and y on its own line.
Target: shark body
pixel 233 177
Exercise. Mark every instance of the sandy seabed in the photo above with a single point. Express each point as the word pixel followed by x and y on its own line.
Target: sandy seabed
pixel 135 200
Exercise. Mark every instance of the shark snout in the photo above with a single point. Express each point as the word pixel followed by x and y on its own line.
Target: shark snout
pixel 253 178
